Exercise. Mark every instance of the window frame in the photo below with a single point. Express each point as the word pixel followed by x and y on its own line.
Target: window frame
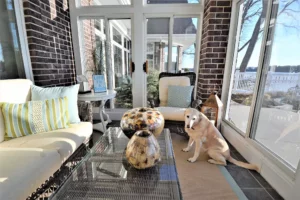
pixel 22 37
pixel 282 177
pixel 136 12
pixel 257 92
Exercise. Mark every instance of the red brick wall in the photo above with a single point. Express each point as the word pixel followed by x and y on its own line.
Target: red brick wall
pixel 215 32
pixel 50 41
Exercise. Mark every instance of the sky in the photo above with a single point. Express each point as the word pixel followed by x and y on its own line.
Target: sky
pixel 286 43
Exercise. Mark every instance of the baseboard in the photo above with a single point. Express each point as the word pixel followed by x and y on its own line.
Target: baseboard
pixel 276 177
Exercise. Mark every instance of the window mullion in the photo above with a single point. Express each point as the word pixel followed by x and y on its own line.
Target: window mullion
pixel 170 45
pixel 262 70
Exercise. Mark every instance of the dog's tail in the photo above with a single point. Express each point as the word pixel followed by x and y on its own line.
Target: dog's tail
pixel 242 164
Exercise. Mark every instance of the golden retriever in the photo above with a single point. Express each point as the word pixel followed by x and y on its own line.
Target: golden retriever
pixel 207 136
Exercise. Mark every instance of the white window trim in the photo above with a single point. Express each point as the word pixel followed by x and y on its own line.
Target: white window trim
pixel 280 176
pixel 136 12
pixel 22 36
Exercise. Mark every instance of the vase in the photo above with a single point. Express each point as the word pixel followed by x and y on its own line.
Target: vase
pixel 142 119
pixel 143 150
pixel 138 176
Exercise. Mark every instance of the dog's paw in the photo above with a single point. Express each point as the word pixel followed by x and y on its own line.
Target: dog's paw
pixel 211 161
pixel 191 160
pixel 185 149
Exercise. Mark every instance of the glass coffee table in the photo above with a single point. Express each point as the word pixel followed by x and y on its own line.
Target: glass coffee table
pixel 104 173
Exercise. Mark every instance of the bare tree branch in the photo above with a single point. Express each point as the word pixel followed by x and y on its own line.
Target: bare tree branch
pixel 253 38
pixel 253 14
pixel 286 6
pixel 252 41
pixel 289 26
pixel 246 43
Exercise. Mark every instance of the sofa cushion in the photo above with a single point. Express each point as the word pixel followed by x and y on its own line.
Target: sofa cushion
pixel 35 117
pixel 21 94
pixel 172 113
pixel 39 93
pixel 164 84
pixel 65 141
pixel 24 170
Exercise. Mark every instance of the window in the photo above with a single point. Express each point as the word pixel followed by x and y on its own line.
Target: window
pixel 245 64
pixel 117 36
pixel 157 43
pixel 121 59
pixel 184 44
pixel 266 54
pixel 109 58
pixel 121 40
pixel 172 1
pixel 11 60
pixel 104 2
pixel 118 68
pixel 278 126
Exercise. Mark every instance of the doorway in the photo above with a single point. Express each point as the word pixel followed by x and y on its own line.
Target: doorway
pixel 125 35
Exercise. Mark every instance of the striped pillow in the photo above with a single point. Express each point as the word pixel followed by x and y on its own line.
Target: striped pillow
pixel 35 117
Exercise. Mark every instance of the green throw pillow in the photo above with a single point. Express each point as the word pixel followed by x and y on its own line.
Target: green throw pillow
pixel 35 117
pixel 179 96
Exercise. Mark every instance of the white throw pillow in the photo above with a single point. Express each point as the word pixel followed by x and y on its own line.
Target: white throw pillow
pixel 39 93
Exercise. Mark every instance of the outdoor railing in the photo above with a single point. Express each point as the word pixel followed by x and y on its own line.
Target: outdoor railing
pixel 244 82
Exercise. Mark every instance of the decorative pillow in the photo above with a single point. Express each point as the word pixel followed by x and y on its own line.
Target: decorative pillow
pixel 39 93
pixel 35 117
pixel 179 96
pixel 164 84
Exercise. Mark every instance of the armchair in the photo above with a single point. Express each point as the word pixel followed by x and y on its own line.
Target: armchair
pixel 180 79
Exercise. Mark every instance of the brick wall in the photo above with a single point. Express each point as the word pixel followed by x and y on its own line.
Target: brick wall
pixel 50 42
pixel 215 32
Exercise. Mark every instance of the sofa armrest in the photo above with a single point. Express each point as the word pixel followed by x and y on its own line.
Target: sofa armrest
pixel 85 111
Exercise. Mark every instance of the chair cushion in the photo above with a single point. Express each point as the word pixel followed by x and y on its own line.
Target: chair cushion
pixel 65 141
pixel 39 93
pixel 21 94
pixel 180 96
pixel 172 113
pixel 164 84
pixel 35 117
pixel 22 170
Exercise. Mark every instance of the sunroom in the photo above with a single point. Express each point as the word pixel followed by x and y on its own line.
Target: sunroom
pixel 107 63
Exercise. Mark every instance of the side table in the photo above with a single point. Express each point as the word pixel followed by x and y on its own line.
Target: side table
pixel 103 97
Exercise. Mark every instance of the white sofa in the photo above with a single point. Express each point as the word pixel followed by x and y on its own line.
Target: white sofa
pixel 27 162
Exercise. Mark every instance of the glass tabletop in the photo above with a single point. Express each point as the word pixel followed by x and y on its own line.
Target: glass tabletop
pixel 104 173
